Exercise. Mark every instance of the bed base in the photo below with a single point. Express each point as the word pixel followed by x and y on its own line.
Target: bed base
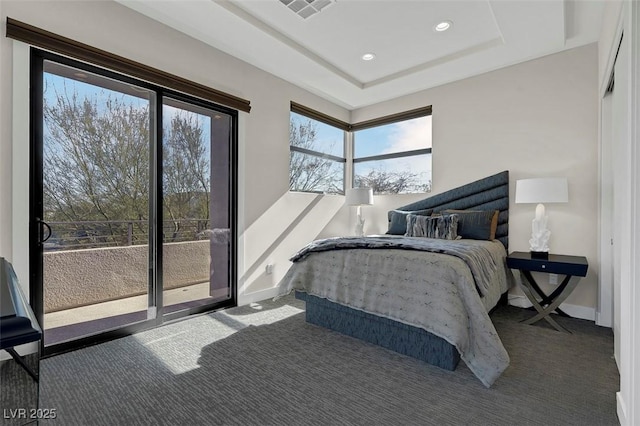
pixel 402 338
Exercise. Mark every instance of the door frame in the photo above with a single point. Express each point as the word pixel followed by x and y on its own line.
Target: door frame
pixel 605 312
pixel 155 290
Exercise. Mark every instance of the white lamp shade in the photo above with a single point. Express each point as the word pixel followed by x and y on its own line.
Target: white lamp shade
pixel 542 190
pixel 359 196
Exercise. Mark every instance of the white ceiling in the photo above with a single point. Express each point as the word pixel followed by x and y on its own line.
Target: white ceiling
pixel 323 52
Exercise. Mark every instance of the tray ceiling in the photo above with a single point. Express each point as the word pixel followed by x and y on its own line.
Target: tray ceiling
pixel 322 52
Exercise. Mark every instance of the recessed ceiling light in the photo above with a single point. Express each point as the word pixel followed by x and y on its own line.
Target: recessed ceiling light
pixel 80 74
pixel 368 56
pixel 442 26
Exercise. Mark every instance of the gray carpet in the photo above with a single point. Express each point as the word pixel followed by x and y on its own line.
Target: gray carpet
pixel 263 365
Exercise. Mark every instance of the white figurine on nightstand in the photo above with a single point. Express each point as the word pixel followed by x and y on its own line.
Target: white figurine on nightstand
pixel 539 241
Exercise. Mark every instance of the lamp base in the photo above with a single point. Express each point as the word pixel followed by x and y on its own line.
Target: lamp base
pixel 539 254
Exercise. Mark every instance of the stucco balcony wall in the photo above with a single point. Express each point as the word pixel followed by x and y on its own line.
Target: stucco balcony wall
pixel 82 277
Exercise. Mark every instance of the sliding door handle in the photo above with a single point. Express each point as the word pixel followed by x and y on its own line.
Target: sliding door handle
pixel 42 224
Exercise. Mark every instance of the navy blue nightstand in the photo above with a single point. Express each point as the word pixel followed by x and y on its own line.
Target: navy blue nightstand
pixel 573 267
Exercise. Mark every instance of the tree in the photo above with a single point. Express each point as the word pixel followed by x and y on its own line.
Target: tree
pixel 186 177
pixel 386 182
pixel 96 161
pixel 97 164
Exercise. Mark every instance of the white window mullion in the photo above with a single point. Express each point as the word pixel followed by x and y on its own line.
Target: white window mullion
pixel 348 169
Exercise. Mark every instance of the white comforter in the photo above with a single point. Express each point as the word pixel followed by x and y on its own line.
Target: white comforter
pixel 431 290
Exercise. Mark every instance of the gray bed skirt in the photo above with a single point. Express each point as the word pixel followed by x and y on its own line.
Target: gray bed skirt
pixel 402 338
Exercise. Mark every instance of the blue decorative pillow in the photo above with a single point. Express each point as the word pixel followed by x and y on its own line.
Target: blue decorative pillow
pixel 398 220
pixel 476 224
pixel 444 227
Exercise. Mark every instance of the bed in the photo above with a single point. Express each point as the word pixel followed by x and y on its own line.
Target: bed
pixel 428 298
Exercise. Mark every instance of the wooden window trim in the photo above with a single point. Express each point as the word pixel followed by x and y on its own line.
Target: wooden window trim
pixel 393 118
pixel 319 116
pixel 56 43
pixel 380 121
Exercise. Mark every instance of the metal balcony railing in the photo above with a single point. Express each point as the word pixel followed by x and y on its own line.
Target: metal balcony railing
pixel 120 233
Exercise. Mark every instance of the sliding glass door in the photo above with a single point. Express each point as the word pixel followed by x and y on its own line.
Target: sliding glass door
pixel 132 202
pixel 95 202
pixel 196 205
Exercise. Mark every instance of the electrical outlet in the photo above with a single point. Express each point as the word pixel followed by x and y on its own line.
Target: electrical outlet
pixel 553 279
pixel 269 269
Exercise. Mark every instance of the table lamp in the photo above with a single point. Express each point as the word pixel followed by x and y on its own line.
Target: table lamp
pixel 359 197
pixel 541 190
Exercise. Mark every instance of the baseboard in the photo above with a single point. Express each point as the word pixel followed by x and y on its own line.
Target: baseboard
pixel 575 311
pixel 622 409
pixel 604 320
pixel 257 296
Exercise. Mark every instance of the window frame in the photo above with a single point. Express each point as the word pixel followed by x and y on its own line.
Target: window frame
pixel 349 139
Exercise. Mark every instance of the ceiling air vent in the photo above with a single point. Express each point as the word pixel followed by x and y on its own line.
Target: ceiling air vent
pixel 306 8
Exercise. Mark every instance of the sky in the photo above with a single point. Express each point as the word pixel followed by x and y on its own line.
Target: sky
pixel 398 137
pixel 403 136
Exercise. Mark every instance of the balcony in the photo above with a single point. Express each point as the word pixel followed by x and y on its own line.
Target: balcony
pixel 96 274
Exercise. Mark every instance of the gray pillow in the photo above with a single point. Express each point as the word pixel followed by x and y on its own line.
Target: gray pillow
pixel 476 224
pixel 398 220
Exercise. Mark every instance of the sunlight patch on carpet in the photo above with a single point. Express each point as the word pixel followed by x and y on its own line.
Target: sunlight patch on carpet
pixel 179 348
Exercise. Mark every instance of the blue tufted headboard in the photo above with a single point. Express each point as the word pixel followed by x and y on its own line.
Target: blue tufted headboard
pixel 490 193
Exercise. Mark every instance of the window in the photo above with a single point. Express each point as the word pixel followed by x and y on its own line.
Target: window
pixel 317 161
pixel 390 154
pixel 394 158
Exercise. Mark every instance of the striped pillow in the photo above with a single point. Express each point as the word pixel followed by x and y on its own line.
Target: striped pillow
pixel 443 227
pixel 398 220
